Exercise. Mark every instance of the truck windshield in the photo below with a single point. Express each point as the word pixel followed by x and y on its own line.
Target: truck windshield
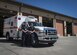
pixel 35 23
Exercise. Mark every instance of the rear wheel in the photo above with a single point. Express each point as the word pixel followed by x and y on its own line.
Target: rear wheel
pixel 8 37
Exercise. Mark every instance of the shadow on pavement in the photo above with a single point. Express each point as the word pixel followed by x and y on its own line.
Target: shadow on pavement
pixel 43 46
pixel 18 43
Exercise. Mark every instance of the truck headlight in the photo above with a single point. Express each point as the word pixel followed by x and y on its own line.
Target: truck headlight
pixel 40 31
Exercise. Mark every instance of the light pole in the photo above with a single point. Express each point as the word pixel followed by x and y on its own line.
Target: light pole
pixel 20 9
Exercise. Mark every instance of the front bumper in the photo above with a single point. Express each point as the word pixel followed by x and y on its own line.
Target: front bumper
pixel 47 38
pixel 48 41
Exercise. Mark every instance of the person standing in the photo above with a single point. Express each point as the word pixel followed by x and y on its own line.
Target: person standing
pixel 33 38
pixel 25 35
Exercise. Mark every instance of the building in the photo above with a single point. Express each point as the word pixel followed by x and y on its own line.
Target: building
pixel 64 24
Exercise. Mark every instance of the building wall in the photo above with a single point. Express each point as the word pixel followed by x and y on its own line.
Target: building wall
pixel 4 5
pixel 25 9
pixel 63 18
pixel 57 19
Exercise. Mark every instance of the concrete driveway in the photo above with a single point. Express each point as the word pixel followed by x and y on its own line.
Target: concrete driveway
pixel 64 46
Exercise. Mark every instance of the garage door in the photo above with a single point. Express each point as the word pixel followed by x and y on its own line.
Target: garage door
pixel 59 27
pixel 75 28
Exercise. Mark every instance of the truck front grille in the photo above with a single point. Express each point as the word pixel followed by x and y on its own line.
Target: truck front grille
pixel 50 32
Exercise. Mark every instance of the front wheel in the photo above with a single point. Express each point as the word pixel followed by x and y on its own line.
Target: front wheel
pixel 34 40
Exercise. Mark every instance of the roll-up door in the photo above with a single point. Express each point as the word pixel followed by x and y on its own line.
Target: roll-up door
pixel 75 28
pixel 59 27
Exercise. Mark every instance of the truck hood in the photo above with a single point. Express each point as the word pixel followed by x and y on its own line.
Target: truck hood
pixel 44 28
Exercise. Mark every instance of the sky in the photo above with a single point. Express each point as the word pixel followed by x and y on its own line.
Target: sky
pixel 66 7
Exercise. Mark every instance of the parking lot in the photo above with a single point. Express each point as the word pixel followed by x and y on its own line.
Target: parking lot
pixel 64 46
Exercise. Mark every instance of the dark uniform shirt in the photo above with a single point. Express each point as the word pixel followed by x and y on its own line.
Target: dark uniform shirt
pixel 24 26
pixel 31 28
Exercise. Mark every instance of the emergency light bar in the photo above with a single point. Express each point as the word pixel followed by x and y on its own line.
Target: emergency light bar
pixel 32 19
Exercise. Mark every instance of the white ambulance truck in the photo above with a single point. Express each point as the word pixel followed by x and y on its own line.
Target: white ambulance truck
pixel 12 29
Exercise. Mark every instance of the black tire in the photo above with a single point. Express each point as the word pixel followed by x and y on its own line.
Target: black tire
pixel 8 37
pixel 34 40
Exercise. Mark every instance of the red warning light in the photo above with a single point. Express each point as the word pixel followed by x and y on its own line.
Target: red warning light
pixel 19 18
